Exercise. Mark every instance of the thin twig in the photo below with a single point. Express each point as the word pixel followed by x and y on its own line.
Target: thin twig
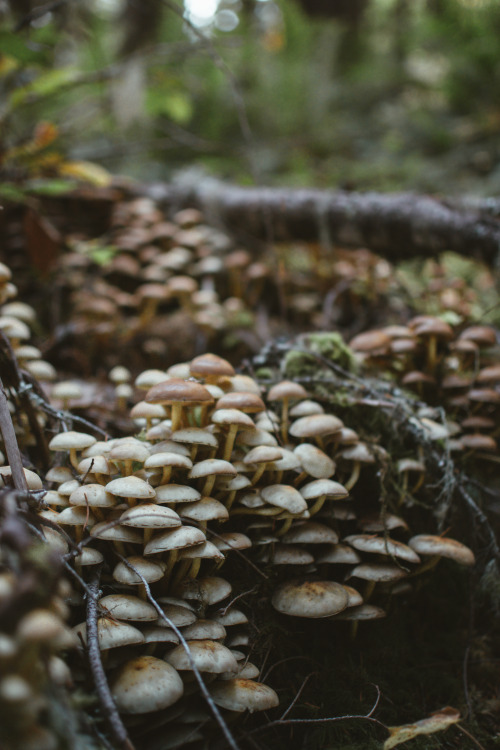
pixel 100 681
pixel 10 442
pixel 329 719
pixel 223 611
pixel 208 698
pixel 297 696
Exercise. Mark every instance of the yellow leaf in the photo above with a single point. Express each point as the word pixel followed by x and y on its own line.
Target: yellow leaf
pixel 87 171
pixel 436 722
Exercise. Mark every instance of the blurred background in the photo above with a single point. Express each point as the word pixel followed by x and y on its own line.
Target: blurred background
pixel 359 94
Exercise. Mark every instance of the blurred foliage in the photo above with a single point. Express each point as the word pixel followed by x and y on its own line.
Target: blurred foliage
pixel 402 98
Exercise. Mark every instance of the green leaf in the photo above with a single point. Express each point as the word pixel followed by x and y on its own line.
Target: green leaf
pixel 103 255
pixel 15 46
pixel 174 104
pixel 10 192
pixel 45 85
pixel 50 187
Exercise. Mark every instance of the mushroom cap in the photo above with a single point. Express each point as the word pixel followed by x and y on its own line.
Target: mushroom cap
pixel 427 544
pixel 310 598
pixel 167 458
pixel 315 425
pixel 205 509
pixel 211 466
pixel 203 630
pixel 195 436
pixel 207 365
pixel 245 401
pixel 146 684
pixel 240 694
pixel 361 612
pixel 232 417
pixel 116 533
pixel 129 450
pixel 130 487
pixel 229 540
pixel 184 536
pixel 340 554
pixel 176 493
pixel 314 461
pixel 111 633
pixel 320 487
pixel 286 389
pixel 208 590
pixel 382 546
pixel 32 480
pixel 378 572
pixel 284 496
pixel 177 390
pixel 93 495
pixel 128 607
pixel 150 516
pixel 370 341
pixel 151 570
pixel 209 656
pixel 71 440
pixel 310 532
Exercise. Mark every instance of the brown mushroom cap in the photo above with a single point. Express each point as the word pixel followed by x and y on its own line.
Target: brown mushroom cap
pixel 177 390
pixel 249 403
pixel 209 365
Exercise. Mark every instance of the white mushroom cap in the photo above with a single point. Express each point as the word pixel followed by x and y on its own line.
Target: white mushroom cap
pixel 127 607
pixel 208 590
pixel 240 694
pixel 284 496
pixel 71 440
pixel 146 684
pixel 150 516
pixel 211 466
pixel 151 570
pixel 32 480
pixel 111 633
pixel 310 532
pixel 130 487
pixel 317 425
pixel 179 538
pixel 209 656
pixel 93 495
pixel 315 461
pixel 427 544
pixel 205 509
pixel 204 629
pixel 310 598
pixel 176 493
pixel 319 487
pixel 382 546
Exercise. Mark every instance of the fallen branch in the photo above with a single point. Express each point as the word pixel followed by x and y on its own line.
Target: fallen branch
pixel 398 226
pixel 108 705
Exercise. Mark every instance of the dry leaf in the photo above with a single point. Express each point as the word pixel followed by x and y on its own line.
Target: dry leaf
pixel 436 722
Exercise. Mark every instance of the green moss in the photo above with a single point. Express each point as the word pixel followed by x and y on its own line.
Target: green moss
pixel 331 346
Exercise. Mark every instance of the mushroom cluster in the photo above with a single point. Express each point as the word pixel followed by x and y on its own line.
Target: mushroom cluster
pixel 33 636
pixel 456 370
pixel 219 465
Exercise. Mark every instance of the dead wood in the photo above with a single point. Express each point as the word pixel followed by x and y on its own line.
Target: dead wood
pixel 398 226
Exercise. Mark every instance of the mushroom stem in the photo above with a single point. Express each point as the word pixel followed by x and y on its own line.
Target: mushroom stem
pixel 354 476
pixel 284 421
pixel 182 572
pixel 285 527
pixel 208 486
pixel 176 416
pixel 259 472
pixel 317 505
pixel 228 446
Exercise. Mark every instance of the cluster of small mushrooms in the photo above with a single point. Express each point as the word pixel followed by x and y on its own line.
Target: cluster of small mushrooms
pixel 216 466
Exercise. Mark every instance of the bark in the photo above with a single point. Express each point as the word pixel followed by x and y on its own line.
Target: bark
pixel 396 226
